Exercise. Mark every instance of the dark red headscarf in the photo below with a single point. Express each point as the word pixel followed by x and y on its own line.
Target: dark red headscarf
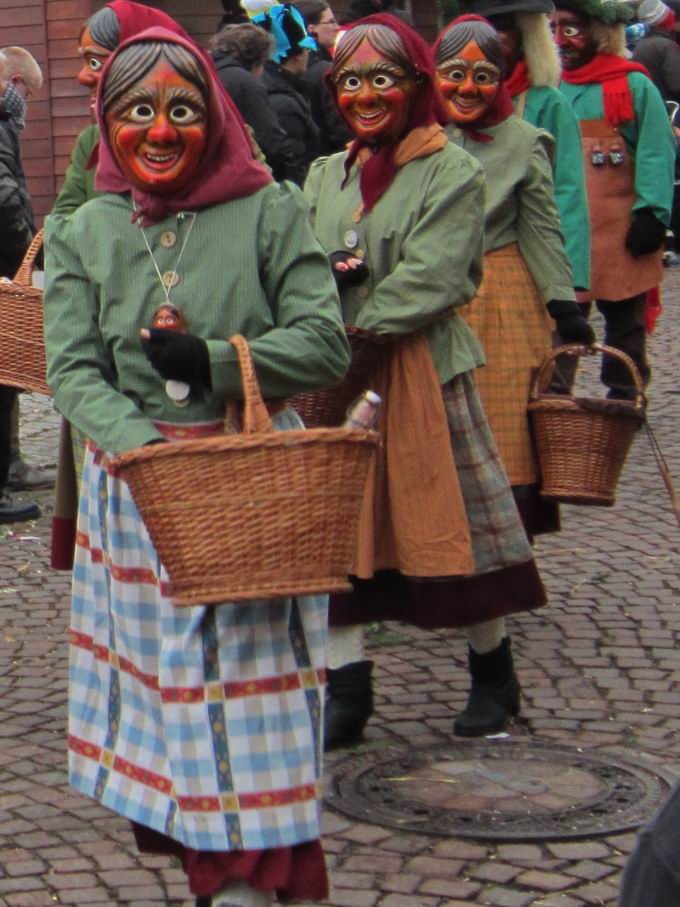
pixel 135 18
pixel 378 172
pixel 227 169
pixel 502 106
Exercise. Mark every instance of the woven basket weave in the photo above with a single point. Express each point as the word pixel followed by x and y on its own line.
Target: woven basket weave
pixel 22 346
pixel 261 514
pixel 328 407
pixel 582 443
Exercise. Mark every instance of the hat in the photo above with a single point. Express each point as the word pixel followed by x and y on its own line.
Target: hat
pixel 287 27
pixel 653 12
pixel 608 11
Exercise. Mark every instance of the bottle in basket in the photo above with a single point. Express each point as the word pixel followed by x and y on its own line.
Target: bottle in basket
pixel 363 413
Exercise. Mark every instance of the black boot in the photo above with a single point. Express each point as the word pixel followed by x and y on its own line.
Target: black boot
pixel 494 696
pixel 349 703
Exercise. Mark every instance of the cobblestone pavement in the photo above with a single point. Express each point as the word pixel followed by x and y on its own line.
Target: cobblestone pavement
pixel 600 668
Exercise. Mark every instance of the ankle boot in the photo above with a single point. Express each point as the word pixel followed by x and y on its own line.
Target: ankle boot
pixel 349 703
pixel 494 696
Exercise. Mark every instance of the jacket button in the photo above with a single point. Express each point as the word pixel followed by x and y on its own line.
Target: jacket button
pixel 168 239
pixel 170 279
pixel 363 292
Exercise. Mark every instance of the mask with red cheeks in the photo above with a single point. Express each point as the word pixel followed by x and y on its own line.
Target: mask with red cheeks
pixel 157 131
pixel 375 95
pixel 468 83
pixel 94 56
pixel 573 37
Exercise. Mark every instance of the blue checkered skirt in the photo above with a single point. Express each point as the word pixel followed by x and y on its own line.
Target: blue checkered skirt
pixel 203 723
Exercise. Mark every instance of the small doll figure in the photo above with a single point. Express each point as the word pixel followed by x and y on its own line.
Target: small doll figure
pixel 170 318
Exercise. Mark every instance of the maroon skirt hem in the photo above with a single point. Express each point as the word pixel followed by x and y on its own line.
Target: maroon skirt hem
pixel 295 873
pixel 439 602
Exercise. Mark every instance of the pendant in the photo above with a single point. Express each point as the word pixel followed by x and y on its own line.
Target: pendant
pixel 616 157
pixel 598 157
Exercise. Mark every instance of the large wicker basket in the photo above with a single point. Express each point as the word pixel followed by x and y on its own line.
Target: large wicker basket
pixel 583 443
pixel 256 515
pixel 22 347
pixel 327 407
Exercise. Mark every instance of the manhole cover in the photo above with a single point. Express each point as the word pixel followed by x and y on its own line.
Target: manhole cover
pixel 497 790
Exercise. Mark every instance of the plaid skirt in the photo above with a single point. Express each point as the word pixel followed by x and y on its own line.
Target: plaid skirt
pixel 513 325
pixel 201 723
pixel 505 580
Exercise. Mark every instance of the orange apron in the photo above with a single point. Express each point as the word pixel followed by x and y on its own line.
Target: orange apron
pixel 615 274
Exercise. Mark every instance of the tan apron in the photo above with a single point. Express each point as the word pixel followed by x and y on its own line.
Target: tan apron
pixel 615 274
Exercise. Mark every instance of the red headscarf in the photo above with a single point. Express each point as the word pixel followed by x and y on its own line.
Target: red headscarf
pixel 379 171
pixel 611 72
pixel 227 169
pixel 518 80
pixel 135 18
pixel 501 107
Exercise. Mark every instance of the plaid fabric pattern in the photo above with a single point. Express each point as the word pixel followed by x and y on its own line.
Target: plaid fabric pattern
pixel 498 537
pixel 202 723
pixel 514 327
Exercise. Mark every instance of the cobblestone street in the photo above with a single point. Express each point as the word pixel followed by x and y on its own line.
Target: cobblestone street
pixel 599 666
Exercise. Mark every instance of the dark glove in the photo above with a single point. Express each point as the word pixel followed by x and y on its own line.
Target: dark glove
pixel 183 357
pixel 570 322
pixel 646 233
pixel 352 277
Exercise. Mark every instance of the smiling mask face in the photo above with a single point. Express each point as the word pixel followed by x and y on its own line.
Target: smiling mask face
pixel 468 83
pixel 375 95
pixel 157 130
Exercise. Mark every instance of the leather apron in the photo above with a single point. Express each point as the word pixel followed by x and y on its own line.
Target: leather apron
pixel 615 274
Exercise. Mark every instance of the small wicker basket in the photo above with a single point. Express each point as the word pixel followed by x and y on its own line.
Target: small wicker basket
pixel 582 443
pixel 328 407
pixel 262 514
pixel 22 345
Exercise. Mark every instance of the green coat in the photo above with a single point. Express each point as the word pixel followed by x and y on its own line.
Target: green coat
pixel 252 266
pixel 546 108
pixel 649 139
pixel 78 185
pixel 423 247
pixel 520 201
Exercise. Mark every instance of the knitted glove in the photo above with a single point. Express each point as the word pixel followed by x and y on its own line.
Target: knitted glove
pixel 646 233
pixel 352 277
pixel 570 322
pixel 182 357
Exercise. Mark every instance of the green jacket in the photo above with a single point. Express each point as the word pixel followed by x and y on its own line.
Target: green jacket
pixel 546 108
pixel 520 201
pixel 649 139
pixel 423 248
pixel 251 266
pixel 78 185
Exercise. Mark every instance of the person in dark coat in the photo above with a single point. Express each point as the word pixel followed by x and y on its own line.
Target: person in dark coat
pixel 240 53
pixel 658 51
pixel 20 79
pixel 234 14
pixel 285 82
pixel 322 26
pixel 360 8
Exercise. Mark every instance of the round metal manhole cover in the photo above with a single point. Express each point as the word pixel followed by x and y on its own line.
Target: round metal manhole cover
pixel 499 790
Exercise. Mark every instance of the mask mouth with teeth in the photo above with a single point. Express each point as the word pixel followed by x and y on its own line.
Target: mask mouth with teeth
pixel 155 103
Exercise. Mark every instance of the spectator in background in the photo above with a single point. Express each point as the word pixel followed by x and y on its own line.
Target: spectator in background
pixel 240 53
pixel 358 9
pixel 234 14
pixel 20 79
pixel 658 51
pixel 285 82
pixel 321 25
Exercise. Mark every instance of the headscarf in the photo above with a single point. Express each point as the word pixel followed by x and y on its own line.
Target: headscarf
pixel 135 18
pixel 227 169
pixel 380 169
pixel 500 108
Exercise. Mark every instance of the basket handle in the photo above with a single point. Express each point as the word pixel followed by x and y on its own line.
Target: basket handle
pixel 255 414
pixel 572 349
pixel 22 278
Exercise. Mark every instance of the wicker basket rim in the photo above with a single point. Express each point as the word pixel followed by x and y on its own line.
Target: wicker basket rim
pixel 628 409
pixel 575 349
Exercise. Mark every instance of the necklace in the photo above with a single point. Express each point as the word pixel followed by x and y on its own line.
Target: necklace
pixel 178 391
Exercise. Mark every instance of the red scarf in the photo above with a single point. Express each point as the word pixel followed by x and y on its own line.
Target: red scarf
pixel 610 71
pixel 518 80
pixel 501 107
pixel 378 172
pixel 227 169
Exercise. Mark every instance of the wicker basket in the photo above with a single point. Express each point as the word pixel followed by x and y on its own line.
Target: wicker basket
pixel 22 346
pixel 327 407
pixel 583 443
pixel 261 514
